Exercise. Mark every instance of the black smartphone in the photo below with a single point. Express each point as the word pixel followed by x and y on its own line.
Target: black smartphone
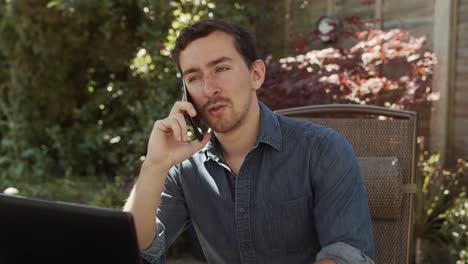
pixel 192 121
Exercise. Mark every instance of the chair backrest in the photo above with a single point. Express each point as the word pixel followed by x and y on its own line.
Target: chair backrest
pixel 384 141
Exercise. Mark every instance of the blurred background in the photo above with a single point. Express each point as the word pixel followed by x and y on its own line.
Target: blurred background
pixel 82 83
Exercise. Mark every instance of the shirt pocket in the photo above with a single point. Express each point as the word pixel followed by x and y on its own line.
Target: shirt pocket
pixel 289 225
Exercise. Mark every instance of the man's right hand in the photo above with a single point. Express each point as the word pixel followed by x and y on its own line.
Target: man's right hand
pixel 168 144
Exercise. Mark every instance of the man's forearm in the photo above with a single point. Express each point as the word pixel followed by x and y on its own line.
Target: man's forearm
pixel 144 201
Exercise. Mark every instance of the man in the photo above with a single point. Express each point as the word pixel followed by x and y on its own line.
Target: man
pixel 263 188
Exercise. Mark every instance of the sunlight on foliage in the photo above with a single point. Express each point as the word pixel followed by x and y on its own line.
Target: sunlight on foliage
pixel 441 208
pixel 142 63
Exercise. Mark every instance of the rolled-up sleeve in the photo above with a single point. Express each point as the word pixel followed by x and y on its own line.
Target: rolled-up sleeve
pixel 341 210
pixel 155 253
pixel 343 253
pixel 172 219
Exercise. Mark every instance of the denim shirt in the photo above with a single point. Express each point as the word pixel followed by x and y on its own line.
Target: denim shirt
pixel 299 197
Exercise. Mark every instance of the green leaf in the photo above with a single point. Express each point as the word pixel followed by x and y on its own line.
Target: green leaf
pixel 6 142
pixel 4 160
pixel 52 4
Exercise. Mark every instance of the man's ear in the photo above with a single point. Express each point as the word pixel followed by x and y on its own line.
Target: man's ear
pixel 258 74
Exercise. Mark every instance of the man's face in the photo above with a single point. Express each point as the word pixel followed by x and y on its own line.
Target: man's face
pixel 222 87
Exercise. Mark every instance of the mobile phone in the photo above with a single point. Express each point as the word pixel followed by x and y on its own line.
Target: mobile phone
pixel 192 121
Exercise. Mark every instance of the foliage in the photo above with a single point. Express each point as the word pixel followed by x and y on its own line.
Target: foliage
pixel 68 189
pixel 455 226
pixel 391 69
pixel 440 213
pixel 82 82
pixel 48 92
pixel 113 194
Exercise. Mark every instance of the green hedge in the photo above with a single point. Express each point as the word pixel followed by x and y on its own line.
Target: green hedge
pixel 82 82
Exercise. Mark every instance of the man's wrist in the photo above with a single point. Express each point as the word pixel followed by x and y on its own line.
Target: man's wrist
pixel 151 176
pixel 149 168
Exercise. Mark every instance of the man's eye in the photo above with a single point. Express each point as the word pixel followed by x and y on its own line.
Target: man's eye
pixel 193 78
pixel 221 69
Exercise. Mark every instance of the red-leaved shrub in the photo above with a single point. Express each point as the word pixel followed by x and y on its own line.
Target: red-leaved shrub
pixel 391 69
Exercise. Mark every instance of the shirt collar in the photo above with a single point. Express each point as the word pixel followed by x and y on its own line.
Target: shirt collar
pixel 269 133
pixel 270 130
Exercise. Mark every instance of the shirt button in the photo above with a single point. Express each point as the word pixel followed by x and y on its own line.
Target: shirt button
pixel 241 210
pixel 246 244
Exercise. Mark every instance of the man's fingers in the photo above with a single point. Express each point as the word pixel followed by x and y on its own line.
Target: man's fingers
pixel 198 144
pixel 183 126
pixel 183 107
pixel 169 125
pixel 163 125
pixel 174 124
pixel 176 130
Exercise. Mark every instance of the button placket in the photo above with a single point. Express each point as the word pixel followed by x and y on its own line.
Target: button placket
pixel 242 203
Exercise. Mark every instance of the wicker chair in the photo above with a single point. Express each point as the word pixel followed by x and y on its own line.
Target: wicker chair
pixel 384 141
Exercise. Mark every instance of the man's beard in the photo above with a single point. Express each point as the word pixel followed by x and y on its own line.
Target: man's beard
pixel 230 118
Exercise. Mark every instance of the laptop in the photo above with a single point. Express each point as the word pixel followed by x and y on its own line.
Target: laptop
pixel 43 231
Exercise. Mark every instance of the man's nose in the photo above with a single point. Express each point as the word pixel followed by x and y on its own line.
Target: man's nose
pixel 210 85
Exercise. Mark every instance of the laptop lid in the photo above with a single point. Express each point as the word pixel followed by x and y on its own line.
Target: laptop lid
pixel 42 231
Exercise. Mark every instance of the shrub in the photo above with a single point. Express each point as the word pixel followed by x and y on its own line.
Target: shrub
pixel 455 228
pixel 440 219
pixel 82 82
pixel 391 69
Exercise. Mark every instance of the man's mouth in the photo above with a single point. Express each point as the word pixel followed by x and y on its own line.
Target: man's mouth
pixel 216 109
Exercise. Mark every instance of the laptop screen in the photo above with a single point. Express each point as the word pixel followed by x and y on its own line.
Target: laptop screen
pixel 42 231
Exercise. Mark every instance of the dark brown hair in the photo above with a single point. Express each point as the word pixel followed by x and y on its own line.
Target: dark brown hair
pixel 243 41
